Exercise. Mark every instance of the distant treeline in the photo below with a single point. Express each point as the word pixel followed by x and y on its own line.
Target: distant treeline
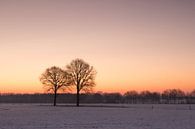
pixel 172 96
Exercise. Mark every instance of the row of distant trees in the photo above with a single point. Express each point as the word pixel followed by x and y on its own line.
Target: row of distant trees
pixel 171 96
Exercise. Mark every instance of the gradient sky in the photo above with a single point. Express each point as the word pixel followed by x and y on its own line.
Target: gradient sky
pixel 133 44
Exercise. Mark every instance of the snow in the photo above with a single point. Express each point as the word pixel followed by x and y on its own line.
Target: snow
pixel 97 116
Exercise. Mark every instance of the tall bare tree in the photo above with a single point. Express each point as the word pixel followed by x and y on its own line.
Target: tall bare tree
pixel 83 76
pixel 54 79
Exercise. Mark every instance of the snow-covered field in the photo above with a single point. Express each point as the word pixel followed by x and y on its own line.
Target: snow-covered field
pixel 40 116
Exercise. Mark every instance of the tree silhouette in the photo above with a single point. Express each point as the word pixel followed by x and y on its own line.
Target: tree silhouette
pixel 54 79
pixel 145 96
pixel 131 96
pixel 192 93
pixel 112 97
pixel 155 97
pixel 173 94
pixel 83 76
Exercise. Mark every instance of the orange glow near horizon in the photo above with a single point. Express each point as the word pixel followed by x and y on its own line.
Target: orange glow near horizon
pixel 133 45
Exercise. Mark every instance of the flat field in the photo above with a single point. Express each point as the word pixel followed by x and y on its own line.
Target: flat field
pixel 98 116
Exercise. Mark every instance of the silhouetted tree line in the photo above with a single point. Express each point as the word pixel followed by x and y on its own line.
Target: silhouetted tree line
pixel 171 96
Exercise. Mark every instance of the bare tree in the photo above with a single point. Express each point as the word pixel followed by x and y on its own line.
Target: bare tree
pixel 173 94
pixel 155 96
pixel 54 79
pixel 192 93
pixel 145 96
pixel 83 76
pixel 131 96
pixel 191 98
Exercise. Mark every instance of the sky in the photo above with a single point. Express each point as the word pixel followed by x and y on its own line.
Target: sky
pixel 132 44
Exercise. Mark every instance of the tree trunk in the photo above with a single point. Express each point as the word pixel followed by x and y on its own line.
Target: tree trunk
pixel 77 96
pixel 55 96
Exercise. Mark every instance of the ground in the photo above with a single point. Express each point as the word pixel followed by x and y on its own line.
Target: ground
pixel 44 116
